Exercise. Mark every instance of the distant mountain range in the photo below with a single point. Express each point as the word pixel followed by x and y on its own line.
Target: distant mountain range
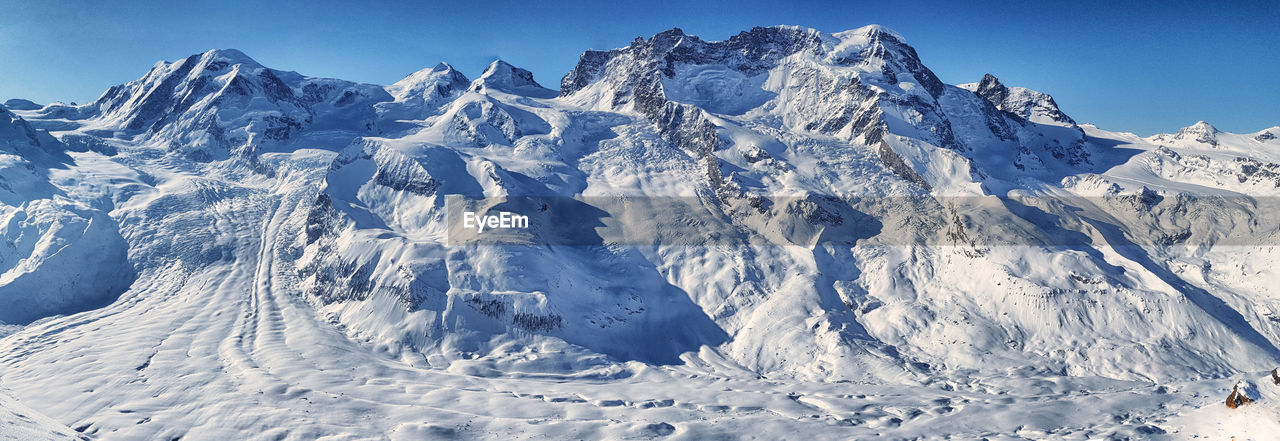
pixel 222 249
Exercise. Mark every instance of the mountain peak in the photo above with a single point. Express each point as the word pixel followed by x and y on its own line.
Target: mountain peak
pixel 1200 127
pixel 670 38
pixel 220 102
pixel 429 83
pixel 1201 132
pixel 171 88
pixel 231 56
pixel 1269 134
pixel 21 104
pixel 874 30
pixel 501 71
pixel 1031 105
pixel 868 35
pixel 213 60
pixel 992 89
pixel 875 48
pixel 502 76
pixel 673 32
pixel 989 81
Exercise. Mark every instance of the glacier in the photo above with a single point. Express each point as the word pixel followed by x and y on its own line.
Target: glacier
pixel 786 233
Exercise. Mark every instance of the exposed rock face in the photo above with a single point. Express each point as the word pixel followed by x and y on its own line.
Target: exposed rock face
pixel 1031 114
pixel 992 90
pixel 832 84
pixel 1237 398
pixel 1024 103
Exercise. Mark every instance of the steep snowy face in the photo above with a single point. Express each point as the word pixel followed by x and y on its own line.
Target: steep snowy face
pixel 477 117
pixel 219 102
pixel 749 52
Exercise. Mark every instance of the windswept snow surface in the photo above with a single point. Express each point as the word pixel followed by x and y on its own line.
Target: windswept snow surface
pixel 785 234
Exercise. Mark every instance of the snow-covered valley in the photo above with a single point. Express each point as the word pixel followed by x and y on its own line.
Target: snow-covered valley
pixel 785 234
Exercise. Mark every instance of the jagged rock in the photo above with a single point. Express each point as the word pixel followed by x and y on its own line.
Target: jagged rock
pixel 1237 398
pixel 1022 102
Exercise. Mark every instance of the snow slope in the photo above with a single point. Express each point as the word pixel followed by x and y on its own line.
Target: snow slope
pixel 20 423
pixel 786 232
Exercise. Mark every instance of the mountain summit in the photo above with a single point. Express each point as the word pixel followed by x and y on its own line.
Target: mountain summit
pixel 429 85
pixel 507 78
pixel 1201 133
pixel 1025 103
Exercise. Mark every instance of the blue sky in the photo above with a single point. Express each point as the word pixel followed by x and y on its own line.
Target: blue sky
pixel 1144 68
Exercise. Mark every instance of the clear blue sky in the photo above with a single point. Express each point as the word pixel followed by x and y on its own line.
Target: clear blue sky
pixel 1119 64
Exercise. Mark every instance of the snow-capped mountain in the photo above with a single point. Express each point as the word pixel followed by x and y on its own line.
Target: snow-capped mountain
pixel 789 231
pixel 421 93
pixel 1198 133
pixel 1020 101
pixel 222 102
pixel 504 77
pixel 21 104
